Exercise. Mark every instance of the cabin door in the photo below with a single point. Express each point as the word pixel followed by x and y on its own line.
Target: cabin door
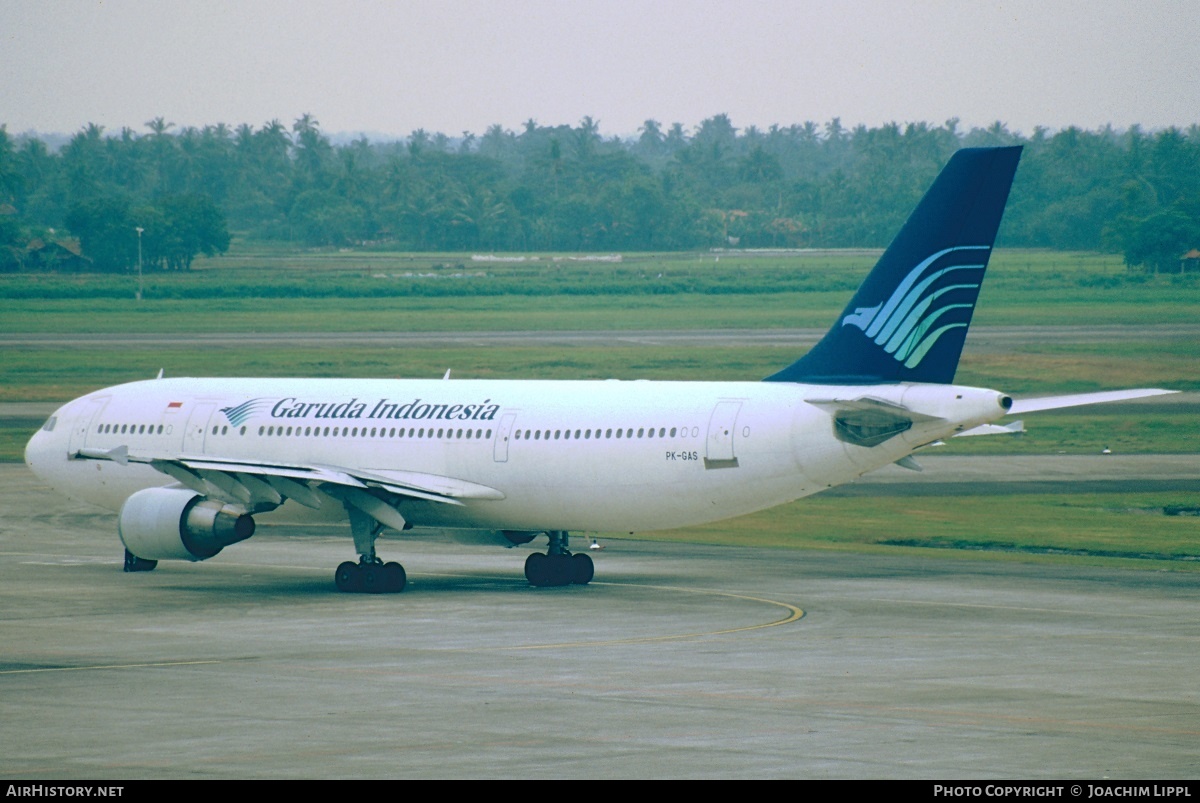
pixel 503 434
pixel 197 426
pixel 721 425
pixel 84 425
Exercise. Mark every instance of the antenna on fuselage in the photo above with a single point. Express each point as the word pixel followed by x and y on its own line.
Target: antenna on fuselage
pixel 447 374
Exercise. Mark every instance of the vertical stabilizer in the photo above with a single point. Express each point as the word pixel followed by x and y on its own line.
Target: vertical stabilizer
pixel 909 318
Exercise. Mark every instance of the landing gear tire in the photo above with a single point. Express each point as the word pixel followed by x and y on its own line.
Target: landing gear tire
pixel 537 570
pixel 394 578
pixel 135 564
pixel 583 568
pixel 370 578
pixel 542 570
pixel 347 577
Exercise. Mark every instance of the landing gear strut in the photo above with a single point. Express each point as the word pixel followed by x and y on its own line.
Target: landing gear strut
pixel 370 575
pixel 557 566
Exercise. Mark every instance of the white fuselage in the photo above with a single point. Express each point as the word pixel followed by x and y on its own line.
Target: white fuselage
pixel 564 455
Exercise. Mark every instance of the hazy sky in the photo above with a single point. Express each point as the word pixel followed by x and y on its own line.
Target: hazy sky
pixel 456 65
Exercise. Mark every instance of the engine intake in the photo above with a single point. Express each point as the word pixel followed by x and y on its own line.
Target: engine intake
pixel 178 524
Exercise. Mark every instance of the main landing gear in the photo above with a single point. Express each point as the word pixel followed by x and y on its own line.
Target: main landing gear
pixel 370 575
pixel 557 566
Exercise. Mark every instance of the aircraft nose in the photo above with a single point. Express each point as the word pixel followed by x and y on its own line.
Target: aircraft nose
pixel 39 446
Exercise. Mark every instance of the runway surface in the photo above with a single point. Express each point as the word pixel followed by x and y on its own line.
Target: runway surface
pixel 678 661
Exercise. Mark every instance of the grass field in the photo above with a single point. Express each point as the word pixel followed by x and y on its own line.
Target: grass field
pixel 1071 527
pixel 270 290
pixel 645 292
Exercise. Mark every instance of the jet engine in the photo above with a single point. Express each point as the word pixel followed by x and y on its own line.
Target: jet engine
pixel 178 524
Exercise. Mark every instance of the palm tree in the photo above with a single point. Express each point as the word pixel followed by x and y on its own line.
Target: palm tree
pixel 586 137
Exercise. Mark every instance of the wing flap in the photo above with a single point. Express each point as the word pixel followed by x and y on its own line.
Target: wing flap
pixel 428 483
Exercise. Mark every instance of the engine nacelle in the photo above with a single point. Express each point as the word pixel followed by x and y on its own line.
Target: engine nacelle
pixel 177 524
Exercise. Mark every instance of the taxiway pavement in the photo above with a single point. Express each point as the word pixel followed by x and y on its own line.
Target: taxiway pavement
pixel 678 661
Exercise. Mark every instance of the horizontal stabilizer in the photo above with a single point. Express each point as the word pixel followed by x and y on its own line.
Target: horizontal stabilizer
pixel 1022 406
pixel 1015 428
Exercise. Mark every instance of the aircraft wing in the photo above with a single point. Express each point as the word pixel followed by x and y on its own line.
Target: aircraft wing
pixel 263 485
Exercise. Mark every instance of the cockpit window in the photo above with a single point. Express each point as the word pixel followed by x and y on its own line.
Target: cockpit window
pixel 49 425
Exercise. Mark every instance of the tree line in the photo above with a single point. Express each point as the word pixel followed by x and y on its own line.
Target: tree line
pixel 569 188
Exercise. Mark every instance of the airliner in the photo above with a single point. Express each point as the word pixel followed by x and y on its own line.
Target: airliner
pixel 189 464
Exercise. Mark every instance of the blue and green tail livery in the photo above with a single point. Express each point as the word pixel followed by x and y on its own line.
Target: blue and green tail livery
pixel 909 318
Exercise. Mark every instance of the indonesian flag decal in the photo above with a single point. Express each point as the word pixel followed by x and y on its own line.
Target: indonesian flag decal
pixel 174 406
